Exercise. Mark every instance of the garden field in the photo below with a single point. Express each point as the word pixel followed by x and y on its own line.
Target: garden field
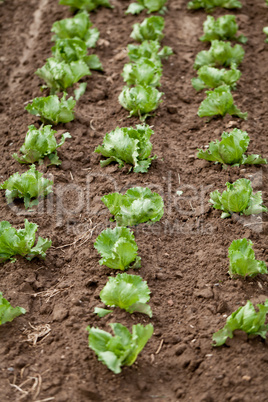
pixel 184 256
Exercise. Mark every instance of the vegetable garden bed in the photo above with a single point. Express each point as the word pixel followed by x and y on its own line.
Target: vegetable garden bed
pixel 184 256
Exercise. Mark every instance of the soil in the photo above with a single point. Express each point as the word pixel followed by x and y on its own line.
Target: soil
pixel 184 256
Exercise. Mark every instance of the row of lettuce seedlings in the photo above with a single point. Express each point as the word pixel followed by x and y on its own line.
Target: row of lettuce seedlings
pixel 239 197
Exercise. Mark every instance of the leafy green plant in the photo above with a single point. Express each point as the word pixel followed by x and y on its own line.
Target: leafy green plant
pixel 121 349
pixel 211 77
pixel 143 72
pixel 265 30
pixel 53 110
pixel 128 292
pixel 21 242
pixel 128 145
pixel 140 100
pixel 88 5
pixel 40 143
pixel 238 198
pixel 150 5
pixel 138 205
pixel 118 248
pixel 224 28
pixel 30 186
pixel 246 319
pixel 149 50
pixel 210 4
pixel 150 29
pixel 230 150
pixel 220 102
pixel 220 54
pixel 77 27
pixel 242 259
pixel 7 312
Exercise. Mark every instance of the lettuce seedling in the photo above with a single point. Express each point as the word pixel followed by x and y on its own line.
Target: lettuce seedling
pixel 242 259
pixel 53 110
pixel 88 5
pixel 138 205
pixel 265 30
pixel 150 29
pixel 118 248
pixel 220 102
pixel 220 54
pixel 150 5
pixel 40 143
pixel 210 4
pixel 211 77
pixel 246 319
pixel 140 100
pixel 30 186
pixel 149 50
pixel 7 312
pixel 128 145
pixel 121 349
pixel 238 198
pixel 224 28
pixel 143 72
pixel 128 292
pixel 230 150
pixel 77 27
pixel 21 242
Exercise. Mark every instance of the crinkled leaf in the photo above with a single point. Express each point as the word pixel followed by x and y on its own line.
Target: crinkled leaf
pixel 7 312
pixel 149 50
pixel 224 28
pixel 87 5
pixel 151 6
pixel 211 77
pixel 80 90
pixel 143 72
pixel 210 4
pixel 220 54
pixel 150 29
pixel 102 312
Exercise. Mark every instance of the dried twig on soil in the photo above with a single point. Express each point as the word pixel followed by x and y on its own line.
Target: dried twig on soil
pixel 85 237
pixel 52 292
pixel 39 332
pixel 160 347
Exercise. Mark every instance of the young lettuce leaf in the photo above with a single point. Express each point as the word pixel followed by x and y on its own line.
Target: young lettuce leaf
pixel 242 259
pixel 77 27
pixel 143 72
pixel 246 319
pixel 128 292
pixel 121 349
pixel 118 248
pixel 7 312
pixel 150 5
pixel 53 110
pixel 128 145
pixel 21 242
pixel 140 100
pixel 265 30
pixel 224 28
pixel 210 4
pixel 40 143
pixel 149 50
pixel 138 205
pixel 238 198
pixel 211 77
pixel 88 5
pixel 220 54
pixel 230 150
pixel 219 102
pixel 30 186
pixel 150 29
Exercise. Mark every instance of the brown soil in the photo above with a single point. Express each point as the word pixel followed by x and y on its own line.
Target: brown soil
pixel 184 256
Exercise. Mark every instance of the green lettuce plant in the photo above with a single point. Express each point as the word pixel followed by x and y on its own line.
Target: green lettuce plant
pixel 210 4
pixel 150 5
pixel 88 5
pixel 40 143
pixel 149 50
pixel 140 100
pixel 220 102
pixel 143 72
pixel 78 27
pixel 150 29
pixel 138 205
pixel 7 312
pixel 265 30
pixel 238 198
pixel 242 260
pixel 211 77
pixel 224 28
pixel 21 242
pixel 128 292
pixel 121 349
pixel 220 54
pixel 118 248
pixel 128 145
pixel 31 186
pixel 52 110
pixel 230 150
pixel 246 319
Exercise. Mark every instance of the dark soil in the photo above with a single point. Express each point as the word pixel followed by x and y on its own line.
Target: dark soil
pixel 184 256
